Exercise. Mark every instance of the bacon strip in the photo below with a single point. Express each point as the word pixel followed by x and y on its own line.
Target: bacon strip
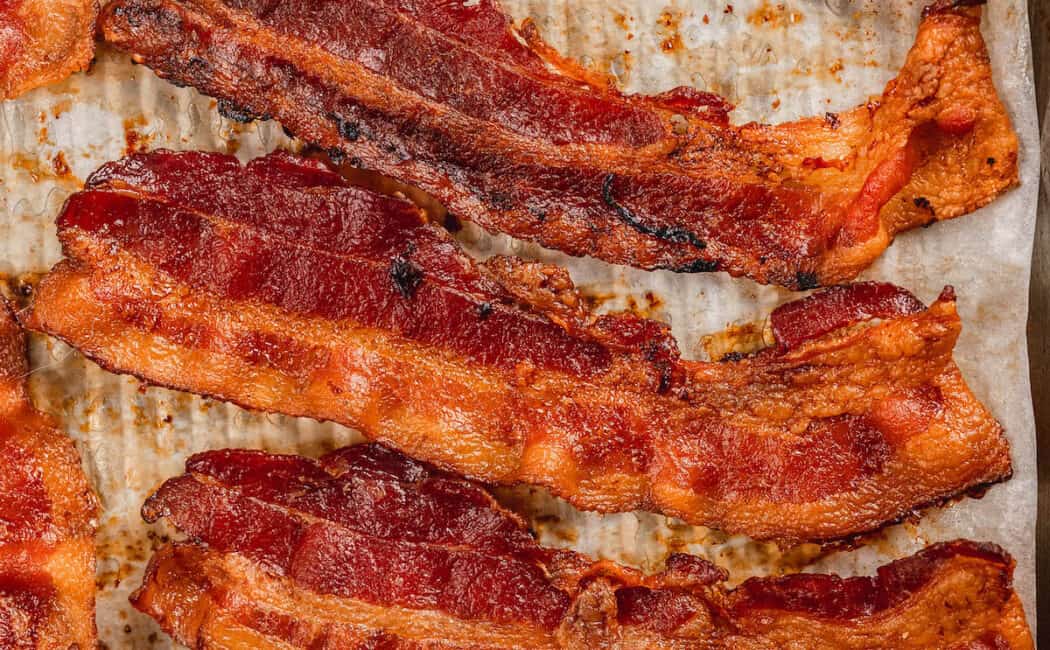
pixel 44 41
pixel 450 97
pixel 47 518
pixel 366 548
pixel 279 287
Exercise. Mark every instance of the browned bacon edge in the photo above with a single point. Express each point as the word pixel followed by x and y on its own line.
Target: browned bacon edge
pixel 488 119
pixel 43 42
pixel 47 518
pixel 367 548
pixel 279 287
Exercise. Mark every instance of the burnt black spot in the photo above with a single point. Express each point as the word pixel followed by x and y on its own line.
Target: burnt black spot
pixel 348 129
pixel 652 351
pixel 663 358
pixel 287 132
pixel 731 357
pixel 697 266
pixel 923 203
pixel 355 162
pixel 484 310
pixel 501 200
pixel 990 161
pixel 762 259
pixel 406 276
pixel 197 65
pixel 131 14
pixel 674 234
pixel 541 215
pixel 832 120
pixel 806 280
pixel 232 111
pixel 665 378
pixel 336 155
pixel 452 223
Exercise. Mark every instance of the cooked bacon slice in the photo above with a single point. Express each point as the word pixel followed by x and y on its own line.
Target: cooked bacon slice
pixel 47 518
pixel 44 41
pixel 366 548
pixel 451 98
pixel 279 287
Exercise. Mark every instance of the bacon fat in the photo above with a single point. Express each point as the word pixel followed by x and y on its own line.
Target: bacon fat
pixel 450 97
pixel 279 287
pixel 367 548
pixel 44 41
pixel 47 518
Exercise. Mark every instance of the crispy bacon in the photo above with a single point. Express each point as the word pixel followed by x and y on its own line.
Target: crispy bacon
pixel 281 288
pixel 452 98
pixel 44 41
pixel 366 549
pixel 47 518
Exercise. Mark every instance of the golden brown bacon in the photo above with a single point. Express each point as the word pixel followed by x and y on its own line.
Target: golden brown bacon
pixel 47 519
pixel 43 41
pixel 279 287
pixel 366 548
pixel 450 97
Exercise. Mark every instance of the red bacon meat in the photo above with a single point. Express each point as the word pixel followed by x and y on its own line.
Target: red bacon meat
pixel 279 287
pixel 450 97
pixel 47 518
pixel 368 549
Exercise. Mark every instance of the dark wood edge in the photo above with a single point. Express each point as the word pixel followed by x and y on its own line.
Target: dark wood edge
pixel 1039 320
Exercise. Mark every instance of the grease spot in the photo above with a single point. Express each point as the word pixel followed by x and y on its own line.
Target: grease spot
pixel 669 24
pixel 135 141
pixel 774 16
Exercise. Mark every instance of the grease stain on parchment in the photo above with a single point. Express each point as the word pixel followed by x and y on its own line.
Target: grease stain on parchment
pixel 775 15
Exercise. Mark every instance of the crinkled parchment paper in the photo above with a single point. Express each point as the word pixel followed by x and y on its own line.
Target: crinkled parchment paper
pixel 775 61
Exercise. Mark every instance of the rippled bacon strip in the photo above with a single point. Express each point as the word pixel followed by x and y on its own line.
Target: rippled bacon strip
pixel 451 98
pixel 47 518
pixel 43 41
pixel 281 288
pixel 367 549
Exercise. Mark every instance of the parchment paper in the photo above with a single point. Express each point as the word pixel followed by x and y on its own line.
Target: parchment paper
pixel 775 61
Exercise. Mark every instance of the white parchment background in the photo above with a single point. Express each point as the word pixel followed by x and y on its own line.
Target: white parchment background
pixel 776 61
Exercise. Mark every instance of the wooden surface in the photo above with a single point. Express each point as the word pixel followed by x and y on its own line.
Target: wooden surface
pixel 1039 318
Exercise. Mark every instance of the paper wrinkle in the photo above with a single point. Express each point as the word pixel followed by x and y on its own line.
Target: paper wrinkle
pixel 810 57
